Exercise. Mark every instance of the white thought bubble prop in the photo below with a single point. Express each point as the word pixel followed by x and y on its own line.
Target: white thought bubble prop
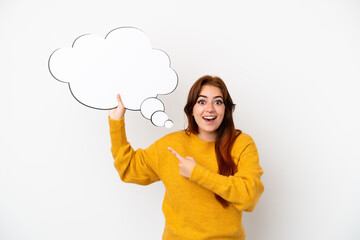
pixel 159 118
pixel 96 69
pixel 151 105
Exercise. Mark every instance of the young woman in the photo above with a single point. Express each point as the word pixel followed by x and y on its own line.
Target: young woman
pixel 211 171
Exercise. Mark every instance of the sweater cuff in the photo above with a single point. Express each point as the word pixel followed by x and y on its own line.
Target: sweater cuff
pixel 197 173
pixel 116 124
pixel 207 179
pixel 117 131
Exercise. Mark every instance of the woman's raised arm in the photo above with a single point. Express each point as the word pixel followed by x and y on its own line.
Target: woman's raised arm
pixel 133 166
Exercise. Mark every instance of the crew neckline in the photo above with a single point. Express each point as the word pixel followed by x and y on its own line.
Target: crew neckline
pixel 196 137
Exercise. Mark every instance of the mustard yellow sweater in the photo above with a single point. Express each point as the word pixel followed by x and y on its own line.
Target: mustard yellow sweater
pixel 190 208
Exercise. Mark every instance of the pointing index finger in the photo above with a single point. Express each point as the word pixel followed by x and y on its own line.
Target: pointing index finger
pixel 177 155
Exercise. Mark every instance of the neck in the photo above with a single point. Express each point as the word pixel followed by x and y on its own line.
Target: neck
pixel 207 137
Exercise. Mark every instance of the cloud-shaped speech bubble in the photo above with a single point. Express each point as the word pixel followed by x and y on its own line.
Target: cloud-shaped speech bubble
pixel 96 69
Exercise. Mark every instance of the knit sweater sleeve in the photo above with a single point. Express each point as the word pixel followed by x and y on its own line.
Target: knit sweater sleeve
pixel 244 189
pixel 133 166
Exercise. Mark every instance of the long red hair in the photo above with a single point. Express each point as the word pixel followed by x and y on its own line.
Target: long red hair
pixel 225 134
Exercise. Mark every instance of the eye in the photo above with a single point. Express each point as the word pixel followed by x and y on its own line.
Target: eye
pixel 218 102
pixel 201 102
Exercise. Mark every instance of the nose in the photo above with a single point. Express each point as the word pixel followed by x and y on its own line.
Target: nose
pixel 210 108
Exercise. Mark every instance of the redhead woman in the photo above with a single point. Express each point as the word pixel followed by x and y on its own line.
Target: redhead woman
pixel 210 170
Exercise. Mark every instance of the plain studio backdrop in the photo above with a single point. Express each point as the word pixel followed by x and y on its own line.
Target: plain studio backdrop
pixel 292 68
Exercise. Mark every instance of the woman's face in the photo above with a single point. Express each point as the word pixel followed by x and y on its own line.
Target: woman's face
pixel 209 112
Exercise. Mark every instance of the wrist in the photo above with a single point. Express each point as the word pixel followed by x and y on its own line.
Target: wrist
pixel 116 118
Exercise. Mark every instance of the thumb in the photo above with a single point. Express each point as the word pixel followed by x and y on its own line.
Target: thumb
pixel 118 98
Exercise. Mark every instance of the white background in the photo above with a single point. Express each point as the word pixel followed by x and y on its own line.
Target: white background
pixel 292 68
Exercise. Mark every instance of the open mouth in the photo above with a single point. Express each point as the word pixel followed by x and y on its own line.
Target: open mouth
pixel 209 119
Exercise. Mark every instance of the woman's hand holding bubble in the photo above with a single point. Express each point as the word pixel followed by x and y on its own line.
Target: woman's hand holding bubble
pixel 186 165
pixel 119 112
